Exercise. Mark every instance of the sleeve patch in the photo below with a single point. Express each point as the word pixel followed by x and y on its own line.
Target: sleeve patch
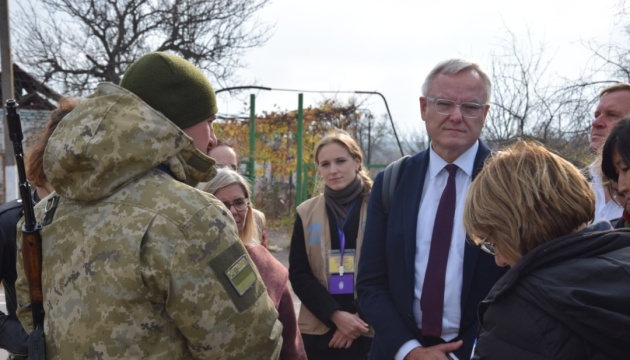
pixel 241 275
pixel 238 276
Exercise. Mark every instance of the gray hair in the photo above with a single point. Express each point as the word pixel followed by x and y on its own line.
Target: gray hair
pixel 455 66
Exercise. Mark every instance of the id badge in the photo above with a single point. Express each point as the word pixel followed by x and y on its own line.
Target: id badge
pixel 334 261
pixel 341 284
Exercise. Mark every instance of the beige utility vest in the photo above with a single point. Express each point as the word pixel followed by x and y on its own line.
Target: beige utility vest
pixel 317 241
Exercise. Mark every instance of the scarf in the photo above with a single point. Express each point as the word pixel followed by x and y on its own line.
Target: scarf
pixel 338 201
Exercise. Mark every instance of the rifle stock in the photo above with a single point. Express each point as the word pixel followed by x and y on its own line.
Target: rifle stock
pixel 32 256
pixel 31 237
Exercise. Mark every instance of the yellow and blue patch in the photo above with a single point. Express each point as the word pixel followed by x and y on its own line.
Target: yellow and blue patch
pixel 238 276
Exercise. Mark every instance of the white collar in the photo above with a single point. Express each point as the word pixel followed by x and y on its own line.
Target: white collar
pixel 465 161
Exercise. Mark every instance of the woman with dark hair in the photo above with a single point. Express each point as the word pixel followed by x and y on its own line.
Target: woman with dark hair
pixel 566 295
pixel 615 158
pixel 325 249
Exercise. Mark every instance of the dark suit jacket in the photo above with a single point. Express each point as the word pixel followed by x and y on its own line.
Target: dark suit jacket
pixel 385 281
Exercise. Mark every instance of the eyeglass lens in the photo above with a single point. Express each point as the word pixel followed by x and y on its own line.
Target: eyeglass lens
pixel 239 204
pixel 446 107
pixel 488 247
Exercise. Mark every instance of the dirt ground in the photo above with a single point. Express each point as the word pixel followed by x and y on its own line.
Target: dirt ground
pixel 279 241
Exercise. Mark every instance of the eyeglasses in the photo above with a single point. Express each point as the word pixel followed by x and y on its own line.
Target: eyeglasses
pixel 487 247
pixel 228 166
pixel 446 107
pixel 239 204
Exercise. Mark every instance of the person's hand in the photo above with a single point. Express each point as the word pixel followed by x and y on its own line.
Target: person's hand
pixel 340 341
pixel 349 324
pixel 437 352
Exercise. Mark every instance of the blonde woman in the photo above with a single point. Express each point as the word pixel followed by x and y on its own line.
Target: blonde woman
pixel 566 295
pixel 325 249
pixel 233 190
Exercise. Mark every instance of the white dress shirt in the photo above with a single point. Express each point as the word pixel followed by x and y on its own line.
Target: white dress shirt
pixel 603 210
pixel 434 184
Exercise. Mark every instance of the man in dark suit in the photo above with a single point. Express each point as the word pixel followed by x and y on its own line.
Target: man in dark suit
pixel 421 300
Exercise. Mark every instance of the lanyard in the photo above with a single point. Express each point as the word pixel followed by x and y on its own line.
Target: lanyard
pixel 342 238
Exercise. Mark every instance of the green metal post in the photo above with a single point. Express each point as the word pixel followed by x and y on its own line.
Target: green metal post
pixel 252 142
pixel 300 182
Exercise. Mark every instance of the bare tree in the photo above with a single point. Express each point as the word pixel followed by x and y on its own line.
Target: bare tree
pixel 78 43
pixel 517 97
pixel 530 102
pixel 413 141
pixel 376 138
pixel 610 60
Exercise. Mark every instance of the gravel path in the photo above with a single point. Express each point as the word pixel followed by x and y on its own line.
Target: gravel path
pixel 279 242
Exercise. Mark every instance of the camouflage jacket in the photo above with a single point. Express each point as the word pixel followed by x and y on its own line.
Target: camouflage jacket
pixel 137 264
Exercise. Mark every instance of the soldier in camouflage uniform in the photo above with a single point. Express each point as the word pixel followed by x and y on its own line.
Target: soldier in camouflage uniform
pixel 137 263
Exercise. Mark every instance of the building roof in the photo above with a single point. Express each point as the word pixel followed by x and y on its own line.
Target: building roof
pixel 31 93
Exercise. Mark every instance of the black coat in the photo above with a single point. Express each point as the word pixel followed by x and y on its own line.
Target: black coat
pixel 10 213
pixel 567 299
pixel 13 338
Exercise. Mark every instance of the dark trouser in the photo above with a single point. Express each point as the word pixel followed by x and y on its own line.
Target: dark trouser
pixel 317 348
pixel 13 338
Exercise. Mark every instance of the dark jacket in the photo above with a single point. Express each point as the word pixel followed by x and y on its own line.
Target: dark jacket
pixel 10 213
pixel 622 222
pixel 566 299
pixel 13 338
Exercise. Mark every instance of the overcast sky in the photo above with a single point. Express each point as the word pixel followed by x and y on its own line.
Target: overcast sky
pixel 390 46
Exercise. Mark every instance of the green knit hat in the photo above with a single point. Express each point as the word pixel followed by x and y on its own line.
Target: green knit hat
pixel 172 86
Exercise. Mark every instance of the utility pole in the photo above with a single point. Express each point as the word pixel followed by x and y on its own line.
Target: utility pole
pixel 10 173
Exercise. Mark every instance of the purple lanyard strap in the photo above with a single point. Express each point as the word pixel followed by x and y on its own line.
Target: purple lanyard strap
pixel 342 239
